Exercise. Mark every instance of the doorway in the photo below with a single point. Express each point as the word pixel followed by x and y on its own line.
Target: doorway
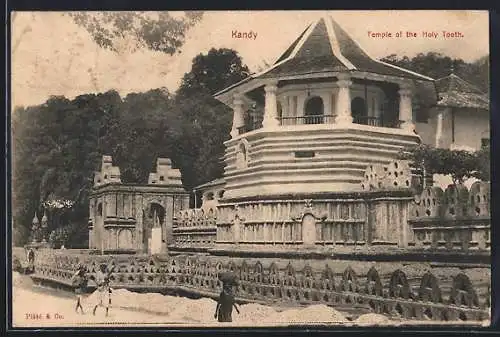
pixel 308 229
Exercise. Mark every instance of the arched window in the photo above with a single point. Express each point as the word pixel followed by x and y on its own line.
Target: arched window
pixel 156 213
pixel 243 151
pixel 314 110
pixel 359 111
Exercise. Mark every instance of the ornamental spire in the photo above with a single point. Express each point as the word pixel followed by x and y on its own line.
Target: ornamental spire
pixel 35 220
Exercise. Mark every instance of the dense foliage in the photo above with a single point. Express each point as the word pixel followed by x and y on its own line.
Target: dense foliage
pixel 459 164
pixel 201 148
pixel 58 145
pixel 157 31
pixel 436 65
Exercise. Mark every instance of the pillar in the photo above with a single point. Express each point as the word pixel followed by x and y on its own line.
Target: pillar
pixel 271 108
pixel 286 106
pixel 139 225
pixel 343 103
pixel 405 108
pixel 238 118
pixel 441 140
pixel 102 230
pixel 327 104
pixel 91 241
pixel 35 229
pixel 236 230
pixel 168 222
pixel 300 107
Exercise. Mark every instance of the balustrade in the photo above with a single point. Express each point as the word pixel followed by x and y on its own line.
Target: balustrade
pixel 377 121
pixel 321 119
pixel 308 119
pixel 457 219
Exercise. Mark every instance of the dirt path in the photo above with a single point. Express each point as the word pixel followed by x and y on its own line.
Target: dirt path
pixel 35 306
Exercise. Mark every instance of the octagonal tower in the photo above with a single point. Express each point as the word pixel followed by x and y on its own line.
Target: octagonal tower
pixel 322 113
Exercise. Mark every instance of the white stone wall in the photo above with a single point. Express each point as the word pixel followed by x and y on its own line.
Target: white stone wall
pixel 340 159
pixel 470 127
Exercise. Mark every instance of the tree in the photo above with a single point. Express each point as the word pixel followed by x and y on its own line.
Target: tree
pixel 210 73
pixel 56 147
pixel 483 171
pixel 147 135
pixel 206 121
pixel 458 164
pixel 158 31
pixel 436 65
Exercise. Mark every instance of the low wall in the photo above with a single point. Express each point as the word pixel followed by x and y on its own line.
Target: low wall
pixel 454 219
pixel 409 290
pixel 457 219
pixel 194 227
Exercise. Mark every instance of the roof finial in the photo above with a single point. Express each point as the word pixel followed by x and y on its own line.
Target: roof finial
pixel 452 68
pixel 325 15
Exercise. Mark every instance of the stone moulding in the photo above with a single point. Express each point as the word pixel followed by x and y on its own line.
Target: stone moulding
pixel 456 219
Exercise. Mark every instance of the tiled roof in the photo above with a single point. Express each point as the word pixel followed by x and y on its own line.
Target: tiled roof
pixel 456 92
pixel 325 46
pixel 290 49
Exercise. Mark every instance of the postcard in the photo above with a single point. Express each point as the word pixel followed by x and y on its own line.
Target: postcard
pixel 250 169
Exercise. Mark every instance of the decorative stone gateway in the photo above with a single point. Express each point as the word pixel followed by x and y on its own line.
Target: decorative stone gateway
pixel 406 290
pixel 135 218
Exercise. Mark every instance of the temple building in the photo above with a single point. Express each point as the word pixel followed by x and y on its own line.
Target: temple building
pixel 325 109
pixel 134 218
pixel 312 158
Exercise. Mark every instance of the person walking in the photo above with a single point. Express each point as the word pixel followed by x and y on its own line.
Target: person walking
pixel 226 302
pixel 79 282
pixel 31 262
pixel 103 290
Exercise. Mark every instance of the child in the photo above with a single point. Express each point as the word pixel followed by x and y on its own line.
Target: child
pixel 224 309
pixel 103 289
pixel 79 281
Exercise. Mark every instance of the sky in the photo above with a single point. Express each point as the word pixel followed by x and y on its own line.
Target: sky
pixel 53 56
